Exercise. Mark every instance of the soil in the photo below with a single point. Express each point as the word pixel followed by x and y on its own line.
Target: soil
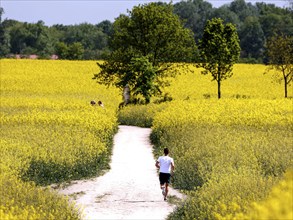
pixel 130 189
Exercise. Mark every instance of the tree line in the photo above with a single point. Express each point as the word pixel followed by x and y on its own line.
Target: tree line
pixel 151 42
pixel 255 24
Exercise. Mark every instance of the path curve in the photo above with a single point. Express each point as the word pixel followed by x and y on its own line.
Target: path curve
pixel 130 190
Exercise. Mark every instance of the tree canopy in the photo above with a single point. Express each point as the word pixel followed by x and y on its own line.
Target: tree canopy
pixel 280 54
pixel 219 50
pixel 150 35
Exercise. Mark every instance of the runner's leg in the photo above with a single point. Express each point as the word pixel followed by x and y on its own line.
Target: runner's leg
pixel 166 190
pixel 167 186
pixel 163 188
pixel 162 183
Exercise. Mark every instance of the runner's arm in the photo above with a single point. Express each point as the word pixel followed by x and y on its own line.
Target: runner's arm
pixel 172 166
pixel 157 164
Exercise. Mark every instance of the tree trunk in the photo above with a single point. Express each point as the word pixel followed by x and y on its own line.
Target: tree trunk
pixel 219 89
pixel 126 94
pixel 286 92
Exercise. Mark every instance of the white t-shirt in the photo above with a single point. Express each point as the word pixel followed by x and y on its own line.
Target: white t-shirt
pixel 165 164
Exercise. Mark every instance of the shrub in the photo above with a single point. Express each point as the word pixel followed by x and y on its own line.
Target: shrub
pixel 139 115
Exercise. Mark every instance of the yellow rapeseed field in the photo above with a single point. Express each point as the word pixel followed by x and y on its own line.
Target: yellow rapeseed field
pixel 50 133
pixel 248 81
pixel 229 153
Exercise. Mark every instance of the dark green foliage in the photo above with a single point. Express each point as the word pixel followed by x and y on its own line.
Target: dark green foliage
pixel 252 38
pixel 280 55
pixel 145 75
pixel 62 50
pixel 226 15
pixel 194 13
pixel 219 50
pixel 4 37
pixel 267 19
pixel 143 45
pixel 23 38
pixel 26 38
pixel 243 9
pixel 73 51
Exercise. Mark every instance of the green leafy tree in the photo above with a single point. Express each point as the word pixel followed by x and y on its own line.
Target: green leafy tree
pixel 39 39
pixel 75 51
pixel 70 52
pixel 62 50
pixel 195 13
pixel 143 77
pixel 219 50
pixel 1 13
pixel 226 15
pixel 252 39
pixel 29 38
pixel 271 23
pixel 280 54
pixel 106 26
pixel 18 36
pixel 243 9
pixel 275 20
pixel 4 37
pixel 151 36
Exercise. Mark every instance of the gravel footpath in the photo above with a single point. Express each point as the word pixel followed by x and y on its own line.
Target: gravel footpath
pixel 130 190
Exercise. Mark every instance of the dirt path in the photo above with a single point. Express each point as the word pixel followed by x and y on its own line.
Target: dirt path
pixel 130 190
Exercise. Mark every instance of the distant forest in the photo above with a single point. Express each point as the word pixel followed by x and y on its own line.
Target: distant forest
pixel 255 24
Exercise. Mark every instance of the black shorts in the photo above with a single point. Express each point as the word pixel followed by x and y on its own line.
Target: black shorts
pixel 164 178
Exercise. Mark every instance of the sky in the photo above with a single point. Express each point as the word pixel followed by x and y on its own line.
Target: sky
pixel 71 12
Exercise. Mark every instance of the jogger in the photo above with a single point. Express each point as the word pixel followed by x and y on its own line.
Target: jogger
pixel 166 166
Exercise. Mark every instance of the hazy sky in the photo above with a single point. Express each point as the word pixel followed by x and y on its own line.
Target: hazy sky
pixel 79 11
